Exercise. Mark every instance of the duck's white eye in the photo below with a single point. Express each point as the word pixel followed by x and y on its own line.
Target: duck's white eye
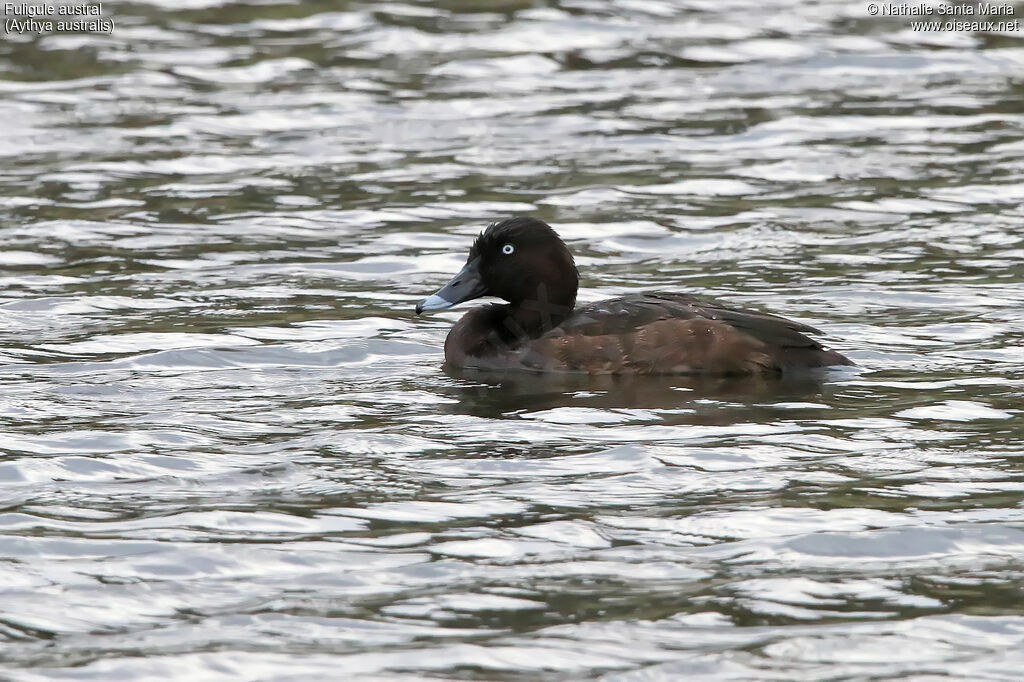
pixel 508 249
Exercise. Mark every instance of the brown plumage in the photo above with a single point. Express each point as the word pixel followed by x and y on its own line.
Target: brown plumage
pixel 523 261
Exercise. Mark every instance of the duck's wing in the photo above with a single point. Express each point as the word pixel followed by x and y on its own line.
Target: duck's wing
pixel 677 333
pixel 625 314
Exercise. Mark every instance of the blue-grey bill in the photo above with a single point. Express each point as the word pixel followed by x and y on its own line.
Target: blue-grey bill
pixel 433 302
pixel 463 287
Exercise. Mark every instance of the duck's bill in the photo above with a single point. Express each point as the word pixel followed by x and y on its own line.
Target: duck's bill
pixel 464 286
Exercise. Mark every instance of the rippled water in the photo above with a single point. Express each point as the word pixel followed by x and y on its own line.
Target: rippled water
pixel 227 448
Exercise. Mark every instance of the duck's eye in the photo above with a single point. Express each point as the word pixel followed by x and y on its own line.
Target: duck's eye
pixel 508 249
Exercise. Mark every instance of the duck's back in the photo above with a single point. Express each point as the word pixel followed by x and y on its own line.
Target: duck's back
pixel 664 333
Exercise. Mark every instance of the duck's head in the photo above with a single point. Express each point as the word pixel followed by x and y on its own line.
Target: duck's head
pixel 520 260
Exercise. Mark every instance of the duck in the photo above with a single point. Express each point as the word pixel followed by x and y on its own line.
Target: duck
pixel 540 329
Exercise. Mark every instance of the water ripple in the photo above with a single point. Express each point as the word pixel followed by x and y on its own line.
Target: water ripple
pixel 229 452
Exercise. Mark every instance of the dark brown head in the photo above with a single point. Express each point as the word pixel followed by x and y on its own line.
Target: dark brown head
pixel 521 260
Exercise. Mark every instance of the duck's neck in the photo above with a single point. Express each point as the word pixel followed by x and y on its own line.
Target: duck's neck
pixel 533 317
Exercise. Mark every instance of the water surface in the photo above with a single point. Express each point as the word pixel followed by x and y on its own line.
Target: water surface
pixel 228 450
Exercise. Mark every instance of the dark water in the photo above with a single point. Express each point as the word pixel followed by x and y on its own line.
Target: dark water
pixel 227 450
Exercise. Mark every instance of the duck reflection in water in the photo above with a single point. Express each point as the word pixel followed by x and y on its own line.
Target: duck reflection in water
pixel 693 399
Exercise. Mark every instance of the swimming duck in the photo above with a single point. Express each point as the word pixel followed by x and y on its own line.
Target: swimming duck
pixel 523 261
